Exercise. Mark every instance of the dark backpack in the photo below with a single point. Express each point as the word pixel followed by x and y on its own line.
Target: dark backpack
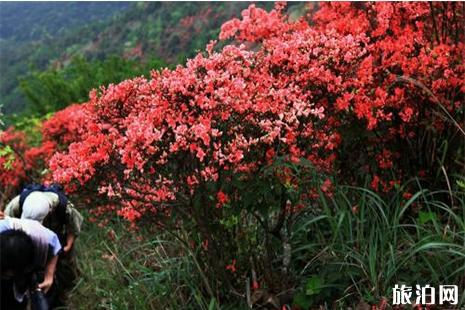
pixel 60 210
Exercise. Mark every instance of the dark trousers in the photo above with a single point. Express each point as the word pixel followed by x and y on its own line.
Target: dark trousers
pixel 7 297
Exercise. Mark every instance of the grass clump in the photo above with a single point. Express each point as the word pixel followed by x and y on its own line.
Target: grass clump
pixel 360 245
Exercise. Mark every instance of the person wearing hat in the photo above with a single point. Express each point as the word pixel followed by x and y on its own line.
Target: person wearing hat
pixel 28 258
pixel 52 209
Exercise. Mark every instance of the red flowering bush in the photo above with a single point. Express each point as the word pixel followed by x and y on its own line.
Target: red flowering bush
pixel 358 89
pixel 66 126
pixel 360 92
pixel 406 96
pixel 12 161
pixel 409 89
pixel 229 113
pixel 21 162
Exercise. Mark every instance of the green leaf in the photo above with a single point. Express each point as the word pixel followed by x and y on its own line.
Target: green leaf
pixel 8 153
pixel 314 285
pixel 212 305
pixel 230 221
pixel 461 183
pixel 425 217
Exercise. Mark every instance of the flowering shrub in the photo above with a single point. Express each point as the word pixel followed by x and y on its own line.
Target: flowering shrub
pixel 228 113
pixel 22 163
pixel 409 89
pixel 66 126
pixel 305 93
pixel 12 162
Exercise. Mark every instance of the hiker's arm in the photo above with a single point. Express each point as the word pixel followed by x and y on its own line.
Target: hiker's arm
pixel 70 237
pixel 49 273
pixel 54 249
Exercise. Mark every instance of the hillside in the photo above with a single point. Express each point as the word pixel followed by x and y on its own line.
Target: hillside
pixel 140 31
pixel 33 34
pixel 31 21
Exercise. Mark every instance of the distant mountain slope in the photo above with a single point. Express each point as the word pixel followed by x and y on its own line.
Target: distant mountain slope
pixel 171 31
pixel 30 36
pixel 26 21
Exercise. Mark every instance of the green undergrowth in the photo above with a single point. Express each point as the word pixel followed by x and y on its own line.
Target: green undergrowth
pixel 123 269
pixel 348 250
pixel 354 250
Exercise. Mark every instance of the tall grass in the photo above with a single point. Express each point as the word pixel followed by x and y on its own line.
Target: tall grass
pixel 124 269
pixel 358 246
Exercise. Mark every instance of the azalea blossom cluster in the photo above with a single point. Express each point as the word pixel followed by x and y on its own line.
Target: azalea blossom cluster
pixel 403 43
pixel 155 141
pixel 410 87
pixel 12 163
pixel 22 163
pixel 66 126
pixel 352 91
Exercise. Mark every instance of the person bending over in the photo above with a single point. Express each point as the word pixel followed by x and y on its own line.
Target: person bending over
pixel 28 258
pixel 51 207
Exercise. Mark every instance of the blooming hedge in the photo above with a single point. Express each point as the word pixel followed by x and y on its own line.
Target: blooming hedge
pixel 306 90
